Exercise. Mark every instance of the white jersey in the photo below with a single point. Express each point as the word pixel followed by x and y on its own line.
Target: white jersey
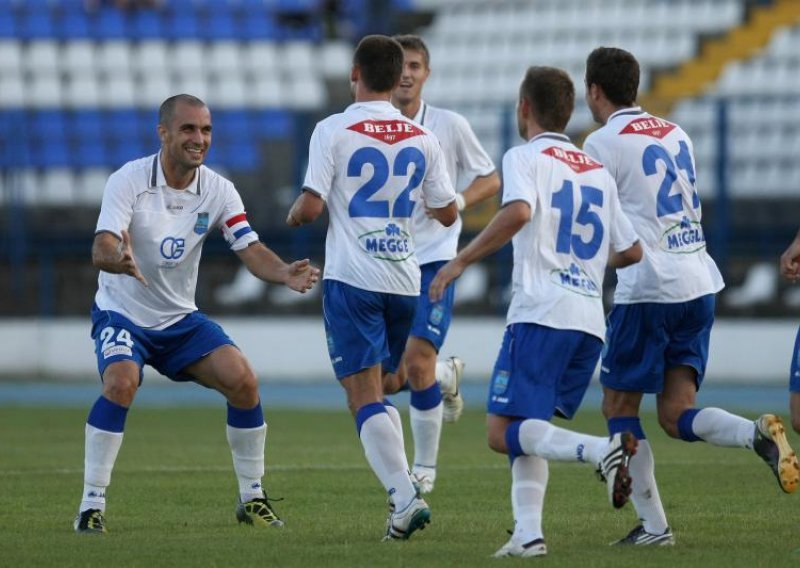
pixel 466 160
pixel 560 256
pixel 372 166
pixel 167 228
pixel 652 161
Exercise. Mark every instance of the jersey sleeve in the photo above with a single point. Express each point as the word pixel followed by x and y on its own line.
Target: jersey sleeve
pixel 320 171
pixel 518 179
pixel 116 209
pixel 621 233
pixel 437 188
pixel 473 161
pixel 235 228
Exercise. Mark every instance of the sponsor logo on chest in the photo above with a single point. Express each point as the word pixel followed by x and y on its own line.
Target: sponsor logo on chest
pixel 575 280
pixel 390 243
pixel 685 237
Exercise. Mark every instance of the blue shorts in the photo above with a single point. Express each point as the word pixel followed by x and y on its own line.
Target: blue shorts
pixel 541 371
pixel 433 320
pixel 365 328
pixel 645 340
pixel 169 351
pixel 794 376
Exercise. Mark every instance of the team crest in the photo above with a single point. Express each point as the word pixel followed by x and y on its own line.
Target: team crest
pixel 500 383
pixel 201 226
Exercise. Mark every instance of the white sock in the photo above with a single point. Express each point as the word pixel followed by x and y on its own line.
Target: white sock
pixel 529 476
pixel 247 449
pixel 100 453
pixel 542 439
pixel 722 428
pixel 645 497
pixel 397 422
pixel 387 459
pixel 426 426
pixel 445 375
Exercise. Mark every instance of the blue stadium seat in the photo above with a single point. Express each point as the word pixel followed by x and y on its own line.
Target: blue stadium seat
pixel 125 151
pixel 51 153
pixel 272 124
pixel 146 24
pixel 232 125
pixel 86 125
pixel 257 22
pixel 74 24
pixel 90 153
pixel 180 24
pixel 123 124
pixel 46 124
pixel 242 156
pixel 8 23
pixel 36 24
pixel 219 22
pixel 109 23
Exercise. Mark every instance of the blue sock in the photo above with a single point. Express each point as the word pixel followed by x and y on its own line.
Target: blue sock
pixel 512 440
pixel 630 424
pixel 366 412
pixel 685 425
pixel 428 398
pixel 245 417
pixel 107 415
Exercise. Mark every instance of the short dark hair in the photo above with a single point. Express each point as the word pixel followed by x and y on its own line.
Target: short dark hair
pixel 414 43
pixel 380 59
pixel 551 94
pixel 167 110
pixel 616 71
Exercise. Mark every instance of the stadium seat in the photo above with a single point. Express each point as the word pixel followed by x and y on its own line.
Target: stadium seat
pixel 117 91
pixel 146 24
pixel 192 84
pixel 74 23
pixel 42 57
pixel 113 57
pixel 78 57
pixel 10 57
pixel 150 57
pixel 12 91
pixel 227 90
pixel 81 91
pixel 267 91
pixel 56 187
pixel 89 186
pixel 35 24
pixel 260 58
pixel 44 91
pixel 224 57
pixel 109 23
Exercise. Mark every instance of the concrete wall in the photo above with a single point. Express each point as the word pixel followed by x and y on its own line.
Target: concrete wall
pixel 742 351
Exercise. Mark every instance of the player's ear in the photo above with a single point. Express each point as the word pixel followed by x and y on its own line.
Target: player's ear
pixel 354 73
pixel 162 133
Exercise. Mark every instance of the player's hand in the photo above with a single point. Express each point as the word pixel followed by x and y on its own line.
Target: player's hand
pixel 301 276
pixel 790 262
pixel 443 279
pixel 127 261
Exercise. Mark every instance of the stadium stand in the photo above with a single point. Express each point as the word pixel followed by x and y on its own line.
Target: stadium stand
pixel 79 90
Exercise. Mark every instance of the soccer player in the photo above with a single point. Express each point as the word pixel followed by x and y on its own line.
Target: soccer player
pixel 372 167
pixel 155 215
pixel 790 269
pixel 435 385
pixel 561 209
pixel 658 330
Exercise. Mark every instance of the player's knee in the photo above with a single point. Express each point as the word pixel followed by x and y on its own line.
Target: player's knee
pixel 496 439
pixel 669 423
pixel 391 383
pixel 796 422
pixel 120 384
pixel 421 371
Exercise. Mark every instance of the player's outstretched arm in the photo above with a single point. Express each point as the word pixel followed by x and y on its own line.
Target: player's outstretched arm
pixel 505 224
pixel 306 208
pixel 790 260
pixel 110 254
pixel 481 189
pixel 263 263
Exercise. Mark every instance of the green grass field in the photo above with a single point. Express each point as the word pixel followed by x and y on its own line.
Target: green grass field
pixel 173 494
